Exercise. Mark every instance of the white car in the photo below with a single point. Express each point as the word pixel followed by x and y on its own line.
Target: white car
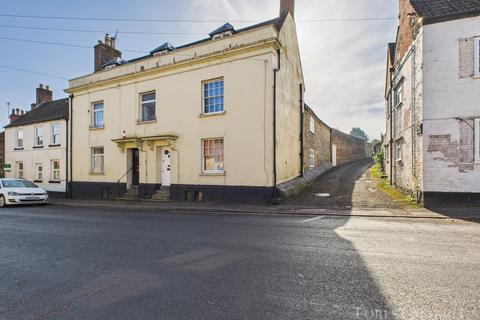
pixel 20 191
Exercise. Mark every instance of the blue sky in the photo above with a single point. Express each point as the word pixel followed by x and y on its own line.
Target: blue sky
pixel 343 61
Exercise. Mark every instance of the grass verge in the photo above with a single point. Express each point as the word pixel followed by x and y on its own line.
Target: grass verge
pixel 392 192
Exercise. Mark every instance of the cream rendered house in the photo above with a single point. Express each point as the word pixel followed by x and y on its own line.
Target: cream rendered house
pixel 218 119
pixel 36 144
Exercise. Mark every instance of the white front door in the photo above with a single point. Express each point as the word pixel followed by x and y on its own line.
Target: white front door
pixel 166 167
pixel 334 155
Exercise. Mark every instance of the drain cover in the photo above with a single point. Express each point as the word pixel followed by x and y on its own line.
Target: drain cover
pixel 322 195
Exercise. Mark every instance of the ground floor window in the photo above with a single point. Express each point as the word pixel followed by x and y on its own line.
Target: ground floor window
pixel 312 158
pixel 212 155
pixel 39 172
pixel 477 140
pixel 19 170
pixel 398 150
pixel 55 167
pixel 98 160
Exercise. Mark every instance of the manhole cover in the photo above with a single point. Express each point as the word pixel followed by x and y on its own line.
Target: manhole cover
pixel 323 195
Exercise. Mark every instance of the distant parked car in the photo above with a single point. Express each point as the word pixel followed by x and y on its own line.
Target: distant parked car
pixel 20 191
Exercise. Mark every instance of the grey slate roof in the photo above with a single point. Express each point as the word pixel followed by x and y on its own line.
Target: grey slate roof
pixel 163 47
pixel 226 27
pixel 47 111
pixel 115 62
pixel 391 51
pixel 434 11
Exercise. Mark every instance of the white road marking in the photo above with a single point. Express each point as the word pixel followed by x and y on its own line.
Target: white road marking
pixel 312 219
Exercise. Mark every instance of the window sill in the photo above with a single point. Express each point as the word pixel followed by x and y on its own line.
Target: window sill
pixel 139 122
pixel 55 181
pixel 54 145
pixel 96 128
pixel 17 149
pixel 97 173
pixel 212 114
pixel 213 174
pixel 38 147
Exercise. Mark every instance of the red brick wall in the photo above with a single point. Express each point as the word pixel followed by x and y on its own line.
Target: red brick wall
pixel 349 148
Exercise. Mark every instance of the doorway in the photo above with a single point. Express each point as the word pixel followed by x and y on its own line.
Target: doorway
pixel 334 155
pixel 135 167
pixel 166 156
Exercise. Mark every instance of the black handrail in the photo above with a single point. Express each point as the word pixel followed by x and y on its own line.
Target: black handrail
pixel 118 181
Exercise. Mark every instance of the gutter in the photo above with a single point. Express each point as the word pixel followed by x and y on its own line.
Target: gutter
pixel 275 199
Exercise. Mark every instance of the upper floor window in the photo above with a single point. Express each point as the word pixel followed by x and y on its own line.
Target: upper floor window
pixel 19 139
pixel 55 132
pixel 312 124
pixel 212 156
pixel 98 115
pixel 19 170
pixel 97 165
pixel 398 95
pixel 38 136
pixel 477 56
pixel 55 167
pixel 147 107
pixel 213 96
pixel 477 140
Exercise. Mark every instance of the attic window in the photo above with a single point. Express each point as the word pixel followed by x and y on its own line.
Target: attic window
pixel 222 35
pixel 224 31
pixel 110 67
pixel 161 53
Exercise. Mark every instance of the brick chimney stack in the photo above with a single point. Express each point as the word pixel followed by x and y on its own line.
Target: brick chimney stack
pixel 16 113
pixel 44 94
pixel 287 6
pixel 105 52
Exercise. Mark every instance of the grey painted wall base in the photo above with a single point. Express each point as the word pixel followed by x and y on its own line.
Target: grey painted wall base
pixel 449 199
pixel 295 186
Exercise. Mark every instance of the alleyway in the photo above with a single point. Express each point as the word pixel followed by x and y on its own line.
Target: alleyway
pixel 347 186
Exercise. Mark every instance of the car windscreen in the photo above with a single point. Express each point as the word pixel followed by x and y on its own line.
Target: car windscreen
pixel 18 184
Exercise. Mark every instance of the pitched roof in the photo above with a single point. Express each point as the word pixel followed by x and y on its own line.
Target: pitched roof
pixel 226 27
pixel 434 11
pixel 391 51
pixel 166 46
pixel 47 111
pixel 277 23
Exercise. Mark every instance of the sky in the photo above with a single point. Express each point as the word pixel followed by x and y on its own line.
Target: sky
pixel 343 61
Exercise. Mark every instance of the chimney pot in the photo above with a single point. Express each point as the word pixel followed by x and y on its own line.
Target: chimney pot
pixel 105 52
pixel 43 95
pixel 41 86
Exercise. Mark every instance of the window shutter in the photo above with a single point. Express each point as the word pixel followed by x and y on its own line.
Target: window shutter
pixel 466 66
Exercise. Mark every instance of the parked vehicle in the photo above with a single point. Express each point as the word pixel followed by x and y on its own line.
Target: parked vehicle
pixel 20 191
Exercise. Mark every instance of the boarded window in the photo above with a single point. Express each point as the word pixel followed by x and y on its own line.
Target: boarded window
pixel 466 63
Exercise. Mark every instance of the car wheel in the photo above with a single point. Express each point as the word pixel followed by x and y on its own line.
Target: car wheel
pixel 2 201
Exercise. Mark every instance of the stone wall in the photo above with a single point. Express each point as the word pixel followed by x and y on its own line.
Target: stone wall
pixel 348 148
pixel 316 140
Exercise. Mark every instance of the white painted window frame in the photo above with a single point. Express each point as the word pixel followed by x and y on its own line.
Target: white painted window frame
pixel 204 97
pixel 97 157
pixel 53 170
pixel 312 124
pixel 204 170
pixel 18 139
pixel 154 100
pixel 94 111
pixel 36 142
pixel 311 158
pixel 477 57
pixel 477 140
pixel 398 150
pixel 39 173
pixel 53 134
pixel 399 86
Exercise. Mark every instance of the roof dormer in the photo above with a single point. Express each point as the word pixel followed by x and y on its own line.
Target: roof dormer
pixel 113 63
pixel 224 31
pixel 163 49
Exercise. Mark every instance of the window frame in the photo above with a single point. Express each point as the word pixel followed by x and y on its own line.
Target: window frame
pixel 398 102
pixel 17 139
pixel 36 136
pixel 93 123
pixel 37 176
pixel 312 124
pixel 476 126
pixel 94 156
pixel 477 57
pixel 215 171
pixel 17 170
pixel 398 150
pixel 141 114
pixel 53 134
pixel 312 158
pixel 204 97
pixel 53 170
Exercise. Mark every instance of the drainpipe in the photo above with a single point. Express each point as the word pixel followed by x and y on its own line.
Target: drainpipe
pixel 302 129
pixel 275 71
pixel 69 149
pixel 66 156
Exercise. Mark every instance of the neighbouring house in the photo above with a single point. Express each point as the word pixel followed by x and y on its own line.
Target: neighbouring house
pixel 36 144
pixel 347 148
pixel 2 154
pixel 214 120
pixel 317 157
pixel 432 91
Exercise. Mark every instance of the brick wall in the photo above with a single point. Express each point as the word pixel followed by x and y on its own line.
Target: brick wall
pixel 348 147
pixel 319 141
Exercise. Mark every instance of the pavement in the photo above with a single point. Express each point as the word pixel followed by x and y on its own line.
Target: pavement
pixel 351 191
pixel 106 263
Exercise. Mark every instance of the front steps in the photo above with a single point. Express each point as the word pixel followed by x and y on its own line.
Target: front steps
pixel 130 195
pixel 162 195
